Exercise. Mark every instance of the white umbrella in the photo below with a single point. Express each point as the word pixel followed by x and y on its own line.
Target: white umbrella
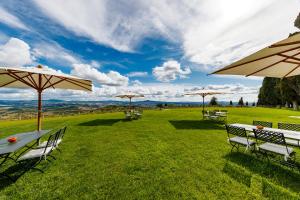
pixel 40 79
pixel 203 93
pixel 279 60
pixel 129 96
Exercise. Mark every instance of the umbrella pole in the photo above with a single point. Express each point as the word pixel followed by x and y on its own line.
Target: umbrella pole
pixel 39 110
pixel 40 90
pixel 203 106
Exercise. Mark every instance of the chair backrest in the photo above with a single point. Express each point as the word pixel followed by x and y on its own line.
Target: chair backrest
pixel 269 136
pixel 234 130
pixel 51 142
pixel 287 126
pixel 262 123
pixel 62 132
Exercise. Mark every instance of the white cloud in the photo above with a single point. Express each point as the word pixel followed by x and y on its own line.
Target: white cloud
pixel 11 20
pixel 170 71
pixel 137 74
pixel 136 83
pixel 50 52
pixel 15 52
pixel 111 78
pixel 211 32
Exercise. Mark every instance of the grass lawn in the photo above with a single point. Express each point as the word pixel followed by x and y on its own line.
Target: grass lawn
pixel 168 154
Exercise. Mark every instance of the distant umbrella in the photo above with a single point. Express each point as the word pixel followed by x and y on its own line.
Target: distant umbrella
pixel 203 93
pixel 40 79
pixel 129 96
pixel 279 60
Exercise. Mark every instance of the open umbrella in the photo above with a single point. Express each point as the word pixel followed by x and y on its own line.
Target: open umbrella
pixel 279 60
pixel 40 79
pixel 129 96
pixel 203 93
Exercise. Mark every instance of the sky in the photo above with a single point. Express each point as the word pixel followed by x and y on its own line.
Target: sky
pixel 159 48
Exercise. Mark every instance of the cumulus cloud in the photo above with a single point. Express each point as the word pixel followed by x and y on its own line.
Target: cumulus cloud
pixel 11 20
pixel 15 52
pixel 137 74
pixel 136 83
pixel 112 78
pixel 50 51
pixel 170 71
pixel 212 33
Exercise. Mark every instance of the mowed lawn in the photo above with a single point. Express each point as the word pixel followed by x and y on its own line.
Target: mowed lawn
pixel 168 154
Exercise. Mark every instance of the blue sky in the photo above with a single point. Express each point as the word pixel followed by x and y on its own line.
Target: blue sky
pixel 160 48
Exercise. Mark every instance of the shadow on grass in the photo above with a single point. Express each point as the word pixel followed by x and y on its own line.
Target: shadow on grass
pixel 100 122
pixel 277 173
pixel 14 172
pixel 197 124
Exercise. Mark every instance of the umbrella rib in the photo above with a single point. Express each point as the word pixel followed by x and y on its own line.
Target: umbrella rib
pixel 284 44
pixel 292 62
pixel 80 82
pixel 11 81
pixel 20 79
pixel 68 80
pixel 33 81
pixel 48 81
pixel 291 57
pixel 225 69
pixel 270 65
pixel 52 85
pixel 292 71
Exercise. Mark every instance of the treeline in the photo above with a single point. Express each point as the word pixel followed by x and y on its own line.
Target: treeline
pixel 280 92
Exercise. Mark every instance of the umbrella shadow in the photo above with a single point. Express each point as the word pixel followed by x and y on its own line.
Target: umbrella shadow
pixel 288 178
pixel 197 124
pixel 100 122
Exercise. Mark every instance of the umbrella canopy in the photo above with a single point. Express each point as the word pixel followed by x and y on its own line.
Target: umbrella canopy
pixel 40 79
pixel 129 96
pixel 203 93
pixel 279 60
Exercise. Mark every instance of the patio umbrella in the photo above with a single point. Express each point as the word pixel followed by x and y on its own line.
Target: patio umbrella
pixel 203 93
pixel 40 79
pixel 279 60
pixel 129 96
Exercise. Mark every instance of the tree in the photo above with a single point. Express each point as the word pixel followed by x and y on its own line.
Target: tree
pixel 247 104
pixel 230 103
pixel 241 102
pixel 160 106
pixel 269 93
pixel 253 104
pixel 213 101
pixel 297 21
pixel 290 91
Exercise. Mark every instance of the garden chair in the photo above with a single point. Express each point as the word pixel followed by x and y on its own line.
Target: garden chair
pixel 274 146
pixel 262 123
pixel 128 115
pixel 290 127
pixel 35 156
pixel 238 137
pixel 59 139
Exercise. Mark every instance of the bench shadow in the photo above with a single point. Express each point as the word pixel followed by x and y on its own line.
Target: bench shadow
pixel 14 172
pixel 279 174
pixel 197 124
pixel 100 122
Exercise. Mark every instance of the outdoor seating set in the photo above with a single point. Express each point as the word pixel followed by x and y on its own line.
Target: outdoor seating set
pixel 133 114
pixel 218 115
pixel 28 151
pixel 273 144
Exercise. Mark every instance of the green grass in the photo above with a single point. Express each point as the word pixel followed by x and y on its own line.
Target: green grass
pixel 168 154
